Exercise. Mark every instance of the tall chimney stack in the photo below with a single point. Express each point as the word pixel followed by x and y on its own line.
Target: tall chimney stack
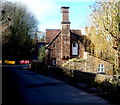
pixel 65 20
pixel 65 15
pixel 65 33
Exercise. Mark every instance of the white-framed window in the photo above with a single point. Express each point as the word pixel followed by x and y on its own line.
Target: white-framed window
pixel 101 68
pixel 74 48
pixel 54 61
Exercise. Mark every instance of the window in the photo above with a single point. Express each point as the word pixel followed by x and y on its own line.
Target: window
pixel 53 44
pixel 100 68
pixel 54 61
pixel 74 44
pixel 75 48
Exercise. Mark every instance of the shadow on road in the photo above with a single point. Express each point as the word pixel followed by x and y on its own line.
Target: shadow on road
pixel 10 93
pixel 45 84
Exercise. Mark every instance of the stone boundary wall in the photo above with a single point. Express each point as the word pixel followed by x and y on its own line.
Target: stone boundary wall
pixel 87 77
pixel 113 79
pixel 93 62
pixel 92 77
pixel 89 65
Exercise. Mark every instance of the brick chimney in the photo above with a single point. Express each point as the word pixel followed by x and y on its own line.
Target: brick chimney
pixel 65 35
pixel 65 20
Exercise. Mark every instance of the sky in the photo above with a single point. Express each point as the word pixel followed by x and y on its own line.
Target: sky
pixel 49 16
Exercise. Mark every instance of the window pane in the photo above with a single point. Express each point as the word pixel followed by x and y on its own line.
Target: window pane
pixel 100 67
pixel 75 49
pixel 54 61
pixel 53 44
pixel 74 44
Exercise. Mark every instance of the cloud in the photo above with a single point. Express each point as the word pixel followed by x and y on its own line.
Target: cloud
pixel 74 0
pixel 70 0
pixel 48 14
pixel 41 8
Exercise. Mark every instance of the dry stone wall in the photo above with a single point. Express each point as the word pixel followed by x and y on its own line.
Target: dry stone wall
pixel 89 65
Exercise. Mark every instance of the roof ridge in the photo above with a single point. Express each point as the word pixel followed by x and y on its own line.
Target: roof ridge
pixel 53 29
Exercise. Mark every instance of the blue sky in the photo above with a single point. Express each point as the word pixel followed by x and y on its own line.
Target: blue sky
pixel 49 15
pixel 78 15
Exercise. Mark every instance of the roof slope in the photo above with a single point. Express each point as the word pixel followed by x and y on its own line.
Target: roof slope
pixel 51 34
pixel 77 32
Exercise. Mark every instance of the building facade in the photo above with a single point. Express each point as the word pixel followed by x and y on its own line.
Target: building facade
pixel 65 44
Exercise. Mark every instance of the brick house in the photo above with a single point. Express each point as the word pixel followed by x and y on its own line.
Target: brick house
pixel 64 44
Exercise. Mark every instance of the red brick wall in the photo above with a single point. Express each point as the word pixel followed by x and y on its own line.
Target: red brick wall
pixel 65 39
pixel 56 50
pixel 61 49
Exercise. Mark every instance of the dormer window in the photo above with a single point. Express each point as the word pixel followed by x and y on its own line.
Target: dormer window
pixel 74 48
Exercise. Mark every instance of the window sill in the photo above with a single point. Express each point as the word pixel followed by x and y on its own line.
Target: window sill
pixel 101 72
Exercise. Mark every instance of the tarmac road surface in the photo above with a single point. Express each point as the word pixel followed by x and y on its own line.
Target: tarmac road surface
pixel 23 86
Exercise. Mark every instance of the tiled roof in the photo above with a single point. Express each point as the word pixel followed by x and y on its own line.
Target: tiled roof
pixel 51 34
pixel 78 32
pixel 54 39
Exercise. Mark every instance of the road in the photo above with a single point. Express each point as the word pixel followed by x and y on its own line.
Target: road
pixel 23 86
